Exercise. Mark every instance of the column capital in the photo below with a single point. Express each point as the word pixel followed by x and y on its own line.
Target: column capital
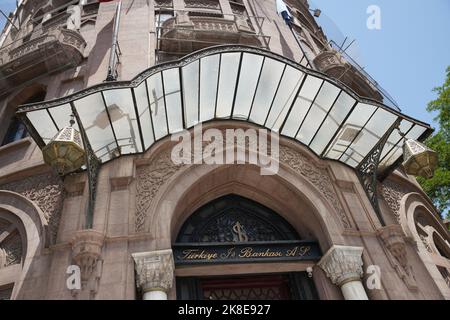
pixel 154 270
pixel 343 264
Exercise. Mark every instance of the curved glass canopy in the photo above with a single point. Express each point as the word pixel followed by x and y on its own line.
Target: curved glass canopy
pixel 228 82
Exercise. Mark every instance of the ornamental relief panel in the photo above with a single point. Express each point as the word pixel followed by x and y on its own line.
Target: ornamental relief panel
pixel 47 192
pixel 393 193
pixel 317 176
pixel 149 179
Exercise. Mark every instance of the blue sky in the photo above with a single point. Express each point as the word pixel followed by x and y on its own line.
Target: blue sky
pixel 408 56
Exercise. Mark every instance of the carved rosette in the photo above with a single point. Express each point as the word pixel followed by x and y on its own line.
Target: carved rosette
pixel 154 270
pixel 392 237
pixel 343 264
pixel 47 192
pixel 86 251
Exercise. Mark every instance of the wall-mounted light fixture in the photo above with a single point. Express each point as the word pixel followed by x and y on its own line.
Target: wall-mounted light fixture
pixel 65 151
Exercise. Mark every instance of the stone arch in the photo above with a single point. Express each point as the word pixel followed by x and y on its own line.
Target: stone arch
pixel 422 224
pixel 31 224
pixel 167 202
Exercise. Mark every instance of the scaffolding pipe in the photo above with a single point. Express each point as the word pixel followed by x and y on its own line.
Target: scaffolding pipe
pixel 112 70
pixel 301 47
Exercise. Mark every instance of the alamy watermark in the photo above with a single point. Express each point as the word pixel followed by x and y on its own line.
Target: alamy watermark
pixel 374 20
pixel 230 146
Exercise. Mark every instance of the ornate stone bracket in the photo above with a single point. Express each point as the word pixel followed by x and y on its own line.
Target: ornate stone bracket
pixel 392 237
pixel 368 168
pixel 86 253
pixel 47 192
pixel 154 270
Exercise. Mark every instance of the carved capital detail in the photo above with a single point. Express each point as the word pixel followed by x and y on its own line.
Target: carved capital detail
pixel 154 270
pixel 86 251
pixel 392 237
pixel 343 264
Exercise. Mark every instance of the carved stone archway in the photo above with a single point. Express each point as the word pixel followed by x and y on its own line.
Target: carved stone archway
pixel 420 222
pixel 30 223
pixel 167 193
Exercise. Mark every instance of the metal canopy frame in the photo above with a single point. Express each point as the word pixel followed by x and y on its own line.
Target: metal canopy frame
pixel 239 83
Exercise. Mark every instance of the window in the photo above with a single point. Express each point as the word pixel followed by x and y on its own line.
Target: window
pixel 16 131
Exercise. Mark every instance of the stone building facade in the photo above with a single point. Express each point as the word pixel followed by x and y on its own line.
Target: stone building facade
pixel 371 235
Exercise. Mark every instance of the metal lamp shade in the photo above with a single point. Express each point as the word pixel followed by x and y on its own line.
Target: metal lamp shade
pixel 65 152
pixel 419 159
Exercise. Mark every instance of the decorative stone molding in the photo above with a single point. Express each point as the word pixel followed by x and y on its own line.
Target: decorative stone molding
pixel 86 252
pixel 19 61
pixel 317 176
pixel 343 264
pixel 47 192
pixel 149 179
pixel 392 237
pixel 327 60
pixel 393 194
pixel 154 270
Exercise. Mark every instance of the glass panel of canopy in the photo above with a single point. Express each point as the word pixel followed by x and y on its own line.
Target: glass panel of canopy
pixel 238 83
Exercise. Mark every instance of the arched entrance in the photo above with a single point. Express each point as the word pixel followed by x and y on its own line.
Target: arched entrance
pixel 236 233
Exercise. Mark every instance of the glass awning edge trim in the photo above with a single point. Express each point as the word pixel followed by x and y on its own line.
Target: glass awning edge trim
pixel 165 91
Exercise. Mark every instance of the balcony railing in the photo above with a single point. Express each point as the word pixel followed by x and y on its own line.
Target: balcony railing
pixel 188 31
pixel 37 54
pixel 386 98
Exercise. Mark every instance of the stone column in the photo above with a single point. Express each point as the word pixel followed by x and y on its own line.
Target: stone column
pixel 154 273
pixel 343 265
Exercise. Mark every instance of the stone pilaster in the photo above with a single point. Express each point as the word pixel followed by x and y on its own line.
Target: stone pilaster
pixel 344 266
pixel 154 272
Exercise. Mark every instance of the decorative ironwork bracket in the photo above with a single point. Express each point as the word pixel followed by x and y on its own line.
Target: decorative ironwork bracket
pixel 368 168
pixel 93 167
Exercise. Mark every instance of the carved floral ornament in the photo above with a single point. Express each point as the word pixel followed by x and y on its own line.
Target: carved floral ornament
pixel 392 237
pixel 150 178
pixel 47 192
pixel 86 251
